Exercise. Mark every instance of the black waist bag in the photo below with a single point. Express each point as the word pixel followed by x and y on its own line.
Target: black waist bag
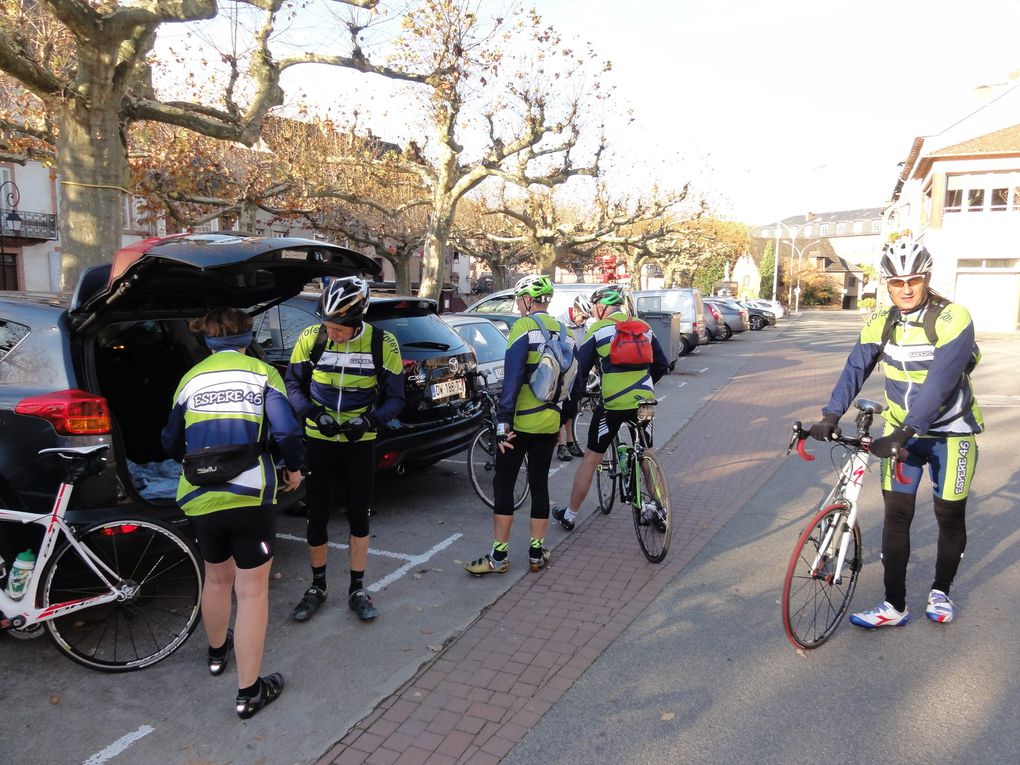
pixel 219 464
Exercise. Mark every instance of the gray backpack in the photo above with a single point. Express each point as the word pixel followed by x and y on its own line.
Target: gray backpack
pixel 553 378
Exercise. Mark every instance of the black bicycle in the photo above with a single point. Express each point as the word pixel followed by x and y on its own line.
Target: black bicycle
pixel 632 471
pixel 482 452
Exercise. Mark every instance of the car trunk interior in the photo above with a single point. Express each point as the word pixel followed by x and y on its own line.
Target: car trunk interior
pixel 138 366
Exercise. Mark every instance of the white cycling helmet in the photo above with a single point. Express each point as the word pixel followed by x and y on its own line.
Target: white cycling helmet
pixel 904 257
pixel 344 301
pixel 582 305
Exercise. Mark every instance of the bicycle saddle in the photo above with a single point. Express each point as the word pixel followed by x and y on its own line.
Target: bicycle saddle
pixel 867 405
pixel 75 452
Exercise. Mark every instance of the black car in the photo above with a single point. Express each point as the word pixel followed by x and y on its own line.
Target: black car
pixel 101 366
pixel 440 417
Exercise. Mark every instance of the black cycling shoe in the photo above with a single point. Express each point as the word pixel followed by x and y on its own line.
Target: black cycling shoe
pixel 270 687
pixel 559 513
pixel 361 604
pixel 218 665
pixel 310 602
pixel 563 454
pixel 575 448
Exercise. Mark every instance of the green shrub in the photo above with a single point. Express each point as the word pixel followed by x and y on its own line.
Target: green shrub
pixel 866 304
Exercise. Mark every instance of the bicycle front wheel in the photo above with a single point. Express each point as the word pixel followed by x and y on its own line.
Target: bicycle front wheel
pixel 653 511
pixel 482 469
pixel 815 595
pixel 605 479
pixel 159 575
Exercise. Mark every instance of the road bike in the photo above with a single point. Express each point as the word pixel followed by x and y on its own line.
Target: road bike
pixel 482 452
pixel 632 471
pixel 822 574
pixel 116 595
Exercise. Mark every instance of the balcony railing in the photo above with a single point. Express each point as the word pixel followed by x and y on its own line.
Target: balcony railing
pixel 34 226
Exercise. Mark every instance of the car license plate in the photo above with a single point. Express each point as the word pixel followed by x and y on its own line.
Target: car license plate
pixel 499 373
pixel 448 388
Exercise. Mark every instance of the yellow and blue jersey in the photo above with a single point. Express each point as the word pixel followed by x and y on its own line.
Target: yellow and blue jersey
pixel 517 404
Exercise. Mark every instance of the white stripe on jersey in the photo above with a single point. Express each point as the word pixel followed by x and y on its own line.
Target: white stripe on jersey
pixel 353 359
pixel 230 391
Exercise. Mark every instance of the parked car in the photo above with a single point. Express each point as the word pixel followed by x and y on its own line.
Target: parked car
pixel 768 305
pixel 759 318
pixel 499 306
pixel 101 366
pixel 488 343
pixel 439 417
pixel 714 324
pixel 734 315
pixel 684 301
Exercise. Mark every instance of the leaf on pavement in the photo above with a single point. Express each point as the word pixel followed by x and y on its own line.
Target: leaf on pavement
pixel 667 716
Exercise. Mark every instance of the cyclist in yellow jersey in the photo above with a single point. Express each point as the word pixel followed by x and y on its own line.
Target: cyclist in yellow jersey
pixel 623 388
pixel 526 427
pixel 927 349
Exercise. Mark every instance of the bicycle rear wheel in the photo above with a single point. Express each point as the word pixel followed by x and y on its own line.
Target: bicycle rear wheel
pixel 653 511
pixel 605 479
pixel 482 470
pixel 160 575
pixel 815 598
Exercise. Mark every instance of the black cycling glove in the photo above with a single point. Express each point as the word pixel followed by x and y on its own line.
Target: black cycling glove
pixel 827 428
pixel 883 447
pixel 355 428
pixel 325 422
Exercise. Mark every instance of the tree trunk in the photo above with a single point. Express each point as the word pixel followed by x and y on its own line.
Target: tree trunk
pixel 402 269
pixel 433 263
pixel 247 217
pixel 500 275
pixel 93 170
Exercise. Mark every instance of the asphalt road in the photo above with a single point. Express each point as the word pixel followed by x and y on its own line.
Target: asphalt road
pixel 706 674
pixel 424 526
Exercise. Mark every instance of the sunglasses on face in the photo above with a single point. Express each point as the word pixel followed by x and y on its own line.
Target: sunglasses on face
pixel 913 281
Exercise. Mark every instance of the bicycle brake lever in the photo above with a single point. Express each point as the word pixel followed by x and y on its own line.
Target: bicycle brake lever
pixel 901 456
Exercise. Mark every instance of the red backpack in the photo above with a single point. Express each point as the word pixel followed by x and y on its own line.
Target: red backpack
pixel 631 346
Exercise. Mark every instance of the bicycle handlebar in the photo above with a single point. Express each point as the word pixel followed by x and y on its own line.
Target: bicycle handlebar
pixel 800 435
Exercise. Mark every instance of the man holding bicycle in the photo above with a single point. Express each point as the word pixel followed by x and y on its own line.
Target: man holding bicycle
pixel 526 427
pixel 927 349
pixel 623 389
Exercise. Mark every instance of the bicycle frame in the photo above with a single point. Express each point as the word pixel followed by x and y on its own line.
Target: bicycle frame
pixel 24 612
pixel 847 490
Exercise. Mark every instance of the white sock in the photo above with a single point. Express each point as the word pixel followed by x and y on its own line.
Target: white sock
pixel 569 514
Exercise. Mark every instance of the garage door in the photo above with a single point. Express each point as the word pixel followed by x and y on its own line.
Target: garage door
pixel 992 299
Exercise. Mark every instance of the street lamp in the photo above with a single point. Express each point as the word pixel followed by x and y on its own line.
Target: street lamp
pixel 10 217
pixel 792 231
pixel 799 253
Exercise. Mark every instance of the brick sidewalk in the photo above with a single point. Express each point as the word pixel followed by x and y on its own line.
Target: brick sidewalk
pixel 484 691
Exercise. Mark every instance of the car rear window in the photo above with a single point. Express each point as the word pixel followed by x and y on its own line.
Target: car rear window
pixel 11 333
pixel 487 341
pixel 423 331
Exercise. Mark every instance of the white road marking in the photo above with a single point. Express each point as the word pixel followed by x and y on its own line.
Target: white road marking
pixel 118 746
pixel 416 560
pixel 682 384
pixel 702 370
pixel 662 397
pixel 456 462
pixel 338 546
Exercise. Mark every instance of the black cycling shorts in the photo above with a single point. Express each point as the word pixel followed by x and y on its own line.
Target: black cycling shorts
pixel 246 534
pixel 605 424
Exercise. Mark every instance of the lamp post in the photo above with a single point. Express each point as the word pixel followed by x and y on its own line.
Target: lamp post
pixel 800 252
pixel 792 231
pixel 9 217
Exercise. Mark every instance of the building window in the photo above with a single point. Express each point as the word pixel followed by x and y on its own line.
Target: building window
pixel 954 200
pixel 999 201
pixel 840 229
pixel 987 263
pixel 975 200
pixel 8 271
pixel 1016 198
pixel 876 226
pixel 824 231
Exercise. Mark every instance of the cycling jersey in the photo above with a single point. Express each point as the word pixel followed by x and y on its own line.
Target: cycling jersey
pixel 927 387
pixel 517 404
pixel 344 381
pixel 623 388
pixel 232 399
pixel 576 328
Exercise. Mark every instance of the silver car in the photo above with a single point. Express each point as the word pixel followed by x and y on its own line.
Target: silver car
pixel 486 340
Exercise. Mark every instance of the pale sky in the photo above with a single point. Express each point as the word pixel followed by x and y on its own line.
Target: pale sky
pixel 795 105
pixel 771 109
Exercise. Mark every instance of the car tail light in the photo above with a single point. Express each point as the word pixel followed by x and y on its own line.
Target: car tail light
pixel 388 460
pixel 70 412
pixel 695 325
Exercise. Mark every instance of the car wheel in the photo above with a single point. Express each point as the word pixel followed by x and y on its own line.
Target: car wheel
pixel 727 333
pixel 685 346
pixel 757 322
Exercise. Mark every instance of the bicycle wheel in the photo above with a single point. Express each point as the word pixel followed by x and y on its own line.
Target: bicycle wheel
pixel 653 511
pixel 605 479
pixel 160 577
pixel 482 469
pixel 816 598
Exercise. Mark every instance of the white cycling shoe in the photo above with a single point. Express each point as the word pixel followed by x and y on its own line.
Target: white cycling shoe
pixel 883 616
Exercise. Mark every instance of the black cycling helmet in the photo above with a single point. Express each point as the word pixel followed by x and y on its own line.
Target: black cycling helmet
pixel 904 257
pixel 611 294
pixel 344 301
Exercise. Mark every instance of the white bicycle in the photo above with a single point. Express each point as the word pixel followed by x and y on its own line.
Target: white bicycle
pixel 822 574
pixel 117 595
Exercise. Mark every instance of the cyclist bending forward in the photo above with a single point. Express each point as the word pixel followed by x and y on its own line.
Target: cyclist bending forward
pixel 931 412
pixel 623 388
